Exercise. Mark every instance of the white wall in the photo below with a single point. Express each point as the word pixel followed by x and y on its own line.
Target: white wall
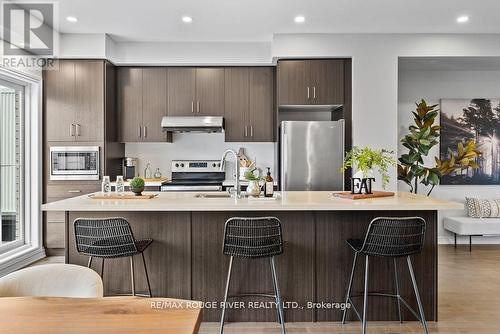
pixel 191 146
pixel 433 85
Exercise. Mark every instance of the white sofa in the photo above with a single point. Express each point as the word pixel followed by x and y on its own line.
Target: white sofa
pixel 52 280
pixel 472 227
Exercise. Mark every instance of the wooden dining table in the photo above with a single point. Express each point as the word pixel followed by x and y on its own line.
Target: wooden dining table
pixel 110 315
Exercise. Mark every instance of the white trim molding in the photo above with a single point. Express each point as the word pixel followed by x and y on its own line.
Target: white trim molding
pixel 33 249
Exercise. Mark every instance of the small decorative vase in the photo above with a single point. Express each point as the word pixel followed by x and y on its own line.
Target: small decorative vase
pixel 137 191
pixel 253 188
pixel 361 183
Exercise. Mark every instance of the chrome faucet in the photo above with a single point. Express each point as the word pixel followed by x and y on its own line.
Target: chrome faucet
pixel 237 160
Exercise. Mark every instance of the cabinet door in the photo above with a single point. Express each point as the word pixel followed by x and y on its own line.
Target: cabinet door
pixel 154 98
pixel 293 82
pixel 237 97
pixel 59 98
pixel 89 100
pixel 261 115
pixel 327 81
pixel 210 91
pixel 181 91
pixel 130 103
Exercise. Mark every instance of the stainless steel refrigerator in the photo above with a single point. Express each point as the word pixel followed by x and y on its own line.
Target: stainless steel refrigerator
pixel 311 155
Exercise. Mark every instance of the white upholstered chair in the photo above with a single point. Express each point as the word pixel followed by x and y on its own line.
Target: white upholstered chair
pixel 52 280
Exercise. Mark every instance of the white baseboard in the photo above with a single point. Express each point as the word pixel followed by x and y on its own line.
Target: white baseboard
pixel 464 240
pixel 445 240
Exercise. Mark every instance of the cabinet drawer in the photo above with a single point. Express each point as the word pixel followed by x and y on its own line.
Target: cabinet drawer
pixel 54 236
pixel 55 217
pixel 61 191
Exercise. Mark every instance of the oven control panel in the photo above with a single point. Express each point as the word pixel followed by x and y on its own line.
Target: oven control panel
pixel 196 166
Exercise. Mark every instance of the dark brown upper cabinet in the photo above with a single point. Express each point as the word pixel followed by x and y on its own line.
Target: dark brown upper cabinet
pixel 249 104
pixel 142 103
pixel 195 91
pixel 311 82
pixel 74 101
pixel 262 110
pixel 181 91
pixel 154 103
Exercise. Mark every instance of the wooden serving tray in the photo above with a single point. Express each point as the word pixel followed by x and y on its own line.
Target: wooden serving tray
pixel 126 195
pixel 375 194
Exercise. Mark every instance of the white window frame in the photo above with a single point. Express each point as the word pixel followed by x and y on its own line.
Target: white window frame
pixel 32 249
pixel 18 243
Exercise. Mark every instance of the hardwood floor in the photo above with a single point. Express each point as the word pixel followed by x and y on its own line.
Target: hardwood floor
pixel 469 300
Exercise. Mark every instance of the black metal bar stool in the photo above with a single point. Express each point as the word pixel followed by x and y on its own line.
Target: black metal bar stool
pixel 391 238
pixel 108 238
pixel 253 238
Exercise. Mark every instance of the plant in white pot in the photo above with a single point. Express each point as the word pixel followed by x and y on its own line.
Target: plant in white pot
pixel 366 161
pixel 253 188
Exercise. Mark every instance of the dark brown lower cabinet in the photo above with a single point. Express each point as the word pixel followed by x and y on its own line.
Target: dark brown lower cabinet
pixel 186 261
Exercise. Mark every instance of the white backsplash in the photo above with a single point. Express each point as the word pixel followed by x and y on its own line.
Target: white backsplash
pixel 202 146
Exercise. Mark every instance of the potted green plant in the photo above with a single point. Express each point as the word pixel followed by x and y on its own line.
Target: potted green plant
pixel 365 160
pixel 253 188
pixel 422 137
pixel 137 186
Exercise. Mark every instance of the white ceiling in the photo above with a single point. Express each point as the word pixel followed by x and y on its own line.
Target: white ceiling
pixel 258 20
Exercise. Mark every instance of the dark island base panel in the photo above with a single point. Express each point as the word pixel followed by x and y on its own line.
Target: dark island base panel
pixel 186 261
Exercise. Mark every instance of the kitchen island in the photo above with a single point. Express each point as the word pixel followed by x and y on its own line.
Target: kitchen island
pixel 186 261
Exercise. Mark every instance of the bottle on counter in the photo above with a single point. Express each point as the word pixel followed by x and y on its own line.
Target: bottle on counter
pixel 157 173
pixel 148 174
pixel 120 185
pixel 106 185
pixel 269 185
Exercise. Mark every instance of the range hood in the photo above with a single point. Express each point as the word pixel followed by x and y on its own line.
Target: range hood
pixel 193 123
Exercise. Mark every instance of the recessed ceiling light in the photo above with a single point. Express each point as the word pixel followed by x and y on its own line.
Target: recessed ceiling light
pixel 462 19
pixel 299 19
pixel 187 19
pixel 71 19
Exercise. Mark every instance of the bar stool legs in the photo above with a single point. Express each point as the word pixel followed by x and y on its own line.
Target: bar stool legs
pixel 132 275
pixel 363 318
pixel 279 303
pixel 225 295
pixel 147 276
pixel 417 295
pixel 277 296
pixel 365 296
pixel 396 280
pixel 348 294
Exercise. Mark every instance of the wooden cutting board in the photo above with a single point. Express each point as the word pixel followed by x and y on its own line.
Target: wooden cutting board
pixel 126 195
pixel 375 194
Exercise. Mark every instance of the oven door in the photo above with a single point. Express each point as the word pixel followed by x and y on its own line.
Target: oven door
pixel 74 163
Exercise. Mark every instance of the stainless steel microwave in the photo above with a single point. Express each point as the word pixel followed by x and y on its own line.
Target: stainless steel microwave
pixel 74 163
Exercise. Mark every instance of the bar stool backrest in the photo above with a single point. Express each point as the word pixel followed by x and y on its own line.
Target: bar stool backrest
pixel 394 237
pixel 253 237
pixel 104 237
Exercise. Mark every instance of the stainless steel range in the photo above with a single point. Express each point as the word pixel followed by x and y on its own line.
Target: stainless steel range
pixel 195 175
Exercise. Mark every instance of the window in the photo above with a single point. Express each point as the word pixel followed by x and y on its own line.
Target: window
pixel 20 169
pixel 11 166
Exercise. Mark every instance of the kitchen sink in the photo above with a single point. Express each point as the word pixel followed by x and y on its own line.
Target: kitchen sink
pixel 213 195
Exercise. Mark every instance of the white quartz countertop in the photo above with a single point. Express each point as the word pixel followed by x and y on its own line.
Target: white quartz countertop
pixel 285 201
